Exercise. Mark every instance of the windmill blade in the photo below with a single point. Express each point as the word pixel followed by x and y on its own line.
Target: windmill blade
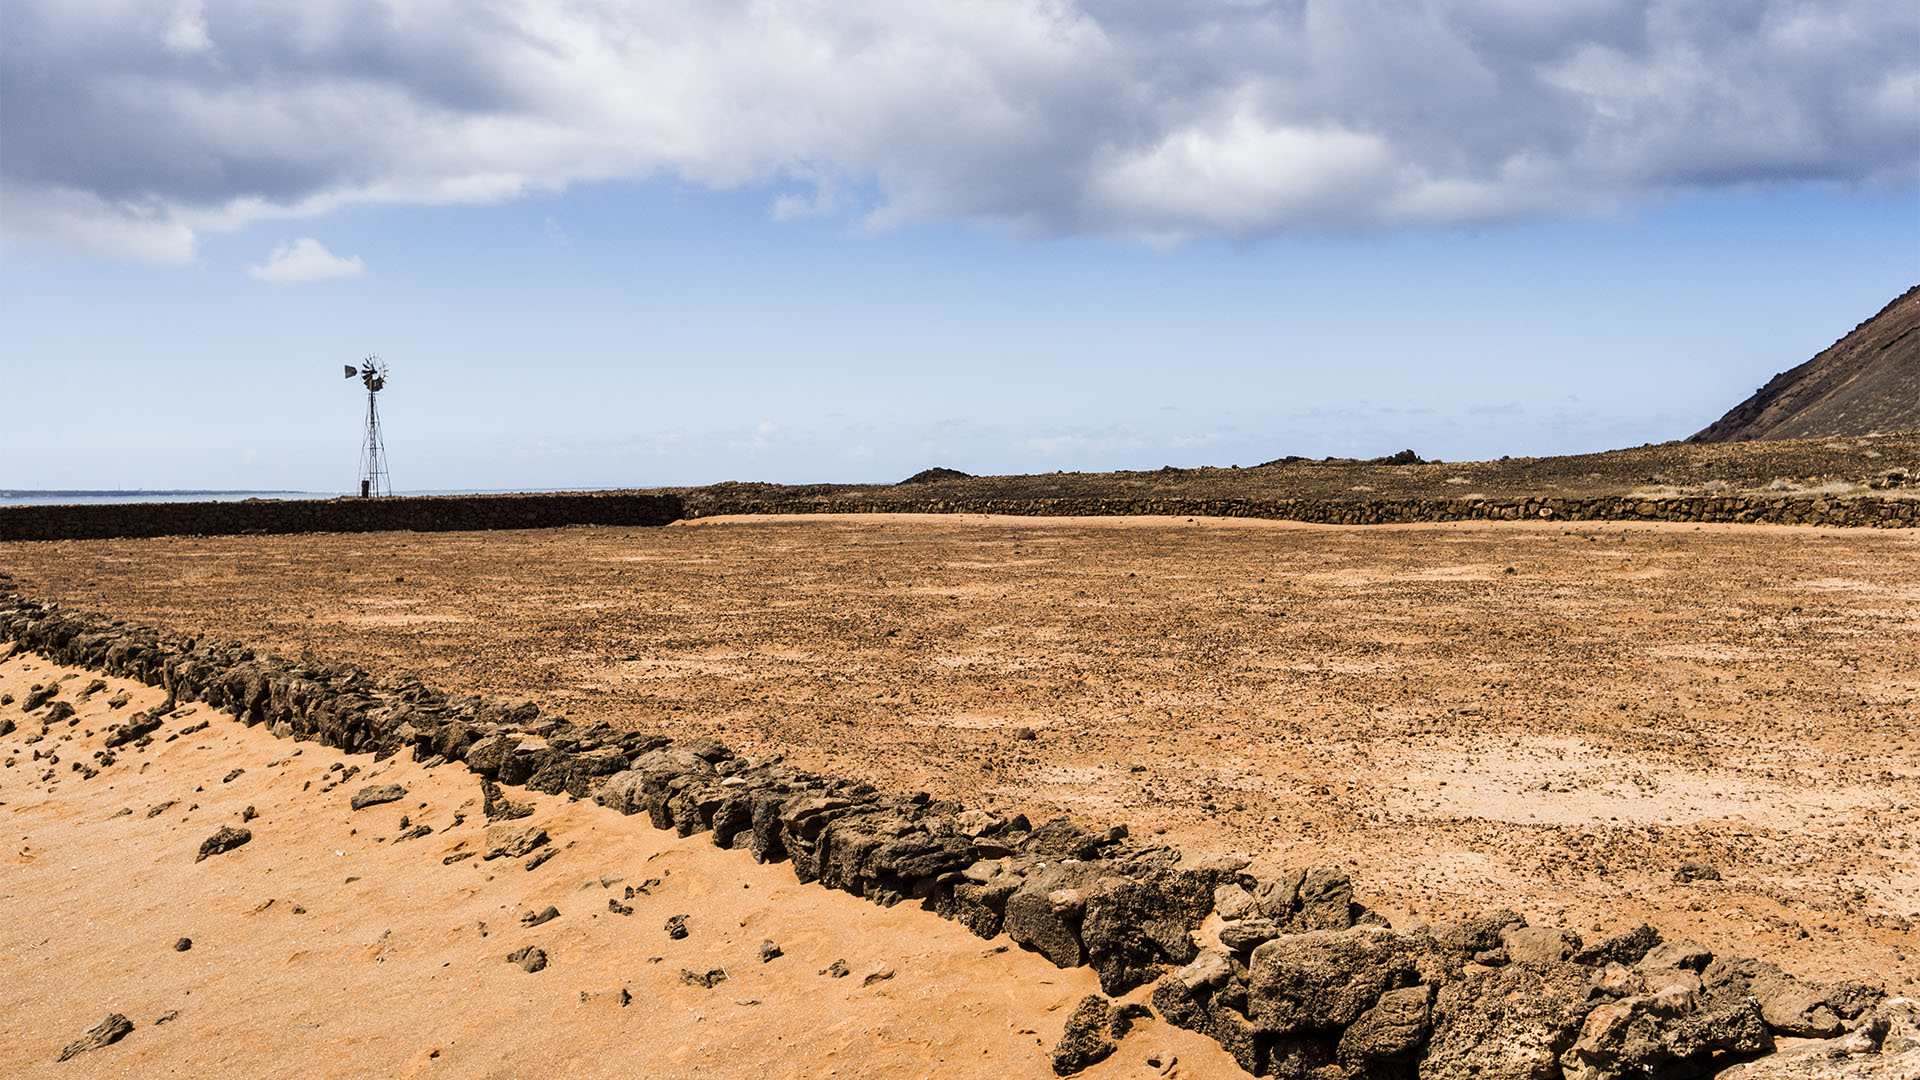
pixel 352 371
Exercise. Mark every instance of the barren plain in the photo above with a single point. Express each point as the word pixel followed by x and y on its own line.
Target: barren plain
pixel 1554 718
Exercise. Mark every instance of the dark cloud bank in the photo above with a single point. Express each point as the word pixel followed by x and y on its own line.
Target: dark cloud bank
pixel 131 127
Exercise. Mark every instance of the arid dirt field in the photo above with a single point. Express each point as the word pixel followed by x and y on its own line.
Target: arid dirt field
pixel 1546 717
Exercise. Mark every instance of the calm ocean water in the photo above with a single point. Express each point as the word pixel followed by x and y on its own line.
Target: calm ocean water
pixel 70 498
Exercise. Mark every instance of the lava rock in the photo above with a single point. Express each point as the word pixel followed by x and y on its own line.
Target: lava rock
pixel 1391 1031
pixel 1512 1023
pixel 1690 872
pixel 223 841
pixel 1328 978
pixel 1539 945
pixel 376 794
pixel 1084 1041
pixel 1123 1018
pixel 512 841
pixel 1627 948
pixel 105 1031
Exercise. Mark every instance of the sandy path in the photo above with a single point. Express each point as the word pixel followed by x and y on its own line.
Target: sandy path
pixel 1547 717
pixel 324 948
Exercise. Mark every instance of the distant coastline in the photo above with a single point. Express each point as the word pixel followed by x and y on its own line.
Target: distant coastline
pixel 55 496
pixel 122 492
pixel 76 496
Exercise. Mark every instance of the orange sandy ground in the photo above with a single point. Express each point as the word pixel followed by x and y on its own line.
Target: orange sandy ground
pixel 323 949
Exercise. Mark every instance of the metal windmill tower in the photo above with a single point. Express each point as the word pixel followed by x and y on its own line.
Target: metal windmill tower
pixel 373 448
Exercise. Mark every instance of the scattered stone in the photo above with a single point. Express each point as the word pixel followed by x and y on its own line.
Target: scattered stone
pixel 619 908
pixel 105 1031
pixel 168 1017
pixel 1084 1041
pixel 223 841
pixel 249 814
pixel 769 951
pixel 548 914
pixel 880 974
pixel 60 711
pixel 414 833
pixel 838 969
pixel 183 944
pixel 235 774
pixel 1690 872
pixel 156 811
pixel 138 726
pixel 456 857
pixel 1025 734
pixel 530 958
pixel 376 794
pixel 541 856
pixel 677 927
pixel 37 696
pixel 511 841
pixel 626 998
pixel 1625 948
pixel 708 979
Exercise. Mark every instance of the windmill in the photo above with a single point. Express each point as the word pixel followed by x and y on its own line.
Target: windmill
pixel 373 448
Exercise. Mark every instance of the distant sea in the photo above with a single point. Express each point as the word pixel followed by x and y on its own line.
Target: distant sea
pixel 70 498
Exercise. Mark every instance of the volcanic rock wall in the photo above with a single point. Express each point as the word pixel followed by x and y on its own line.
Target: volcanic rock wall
pixel 446 513
pixel 1873 511
pixel 436 513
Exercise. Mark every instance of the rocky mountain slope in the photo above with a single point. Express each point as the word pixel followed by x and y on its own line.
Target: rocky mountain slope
pixel 1866 383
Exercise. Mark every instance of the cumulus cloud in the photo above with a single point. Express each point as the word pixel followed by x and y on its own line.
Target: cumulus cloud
pixel 135 124
pixel 305 260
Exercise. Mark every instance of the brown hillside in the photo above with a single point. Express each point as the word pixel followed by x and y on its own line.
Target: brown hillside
pixel 1866 383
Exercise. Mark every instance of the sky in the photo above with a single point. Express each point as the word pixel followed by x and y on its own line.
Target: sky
pixel 649 243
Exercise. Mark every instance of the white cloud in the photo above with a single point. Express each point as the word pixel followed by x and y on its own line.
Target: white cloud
pixel 1112 117
pixel 306 260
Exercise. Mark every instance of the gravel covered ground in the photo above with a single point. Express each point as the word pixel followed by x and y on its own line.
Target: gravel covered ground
pixel 1551 718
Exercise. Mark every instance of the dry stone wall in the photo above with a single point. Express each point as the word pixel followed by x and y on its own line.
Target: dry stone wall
pixel 435 513
pixel 1855 511
pixel 446 513
pixel 1288 973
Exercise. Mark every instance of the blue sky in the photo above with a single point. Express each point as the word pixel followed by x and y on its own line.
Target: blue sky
pixel 796 284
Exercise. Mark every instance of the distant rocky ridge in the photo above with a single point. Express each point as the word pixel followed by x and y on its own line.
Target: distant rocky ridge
pixel 1866 383
pixel 1287 972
